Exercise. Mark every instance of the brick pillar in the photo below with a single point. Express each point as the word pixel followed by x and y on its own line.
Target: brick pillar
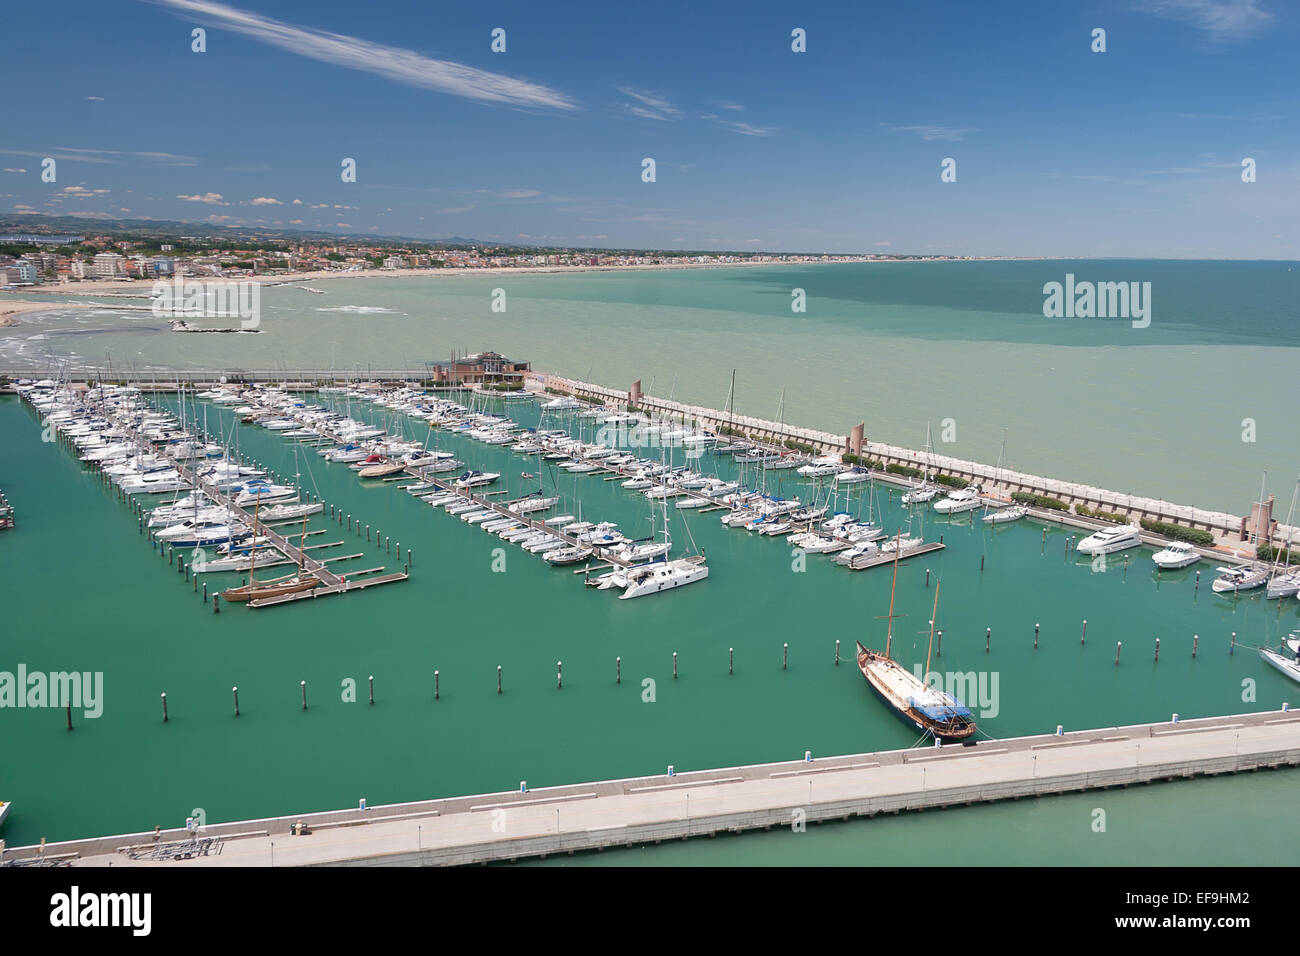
pixel 634 393
pixel 854 441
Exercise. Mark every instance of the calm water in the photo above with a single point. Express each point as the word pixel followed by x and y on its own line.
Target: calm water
pixel 84 591
pixel 895 345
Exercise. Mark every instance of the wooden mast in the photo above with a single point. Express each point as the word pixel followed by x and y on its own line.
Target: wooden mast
pixel 933 615
pixel 889 637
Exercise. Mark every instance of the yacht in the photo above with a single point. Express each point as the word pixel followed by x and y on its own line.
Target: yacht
pixel 475 479
pixel 854 475
pixel 957 502
pixel 663 576
pixel 1284 585
pixel 567 555
pixel 1110 540
pixel 1179 554
pixel 919 494
pixel 820 467
pixel 1003 515
pixel 1240 579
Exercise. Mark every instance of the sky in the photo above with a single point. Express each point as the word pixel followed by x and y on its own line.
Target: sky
pixel 1059 150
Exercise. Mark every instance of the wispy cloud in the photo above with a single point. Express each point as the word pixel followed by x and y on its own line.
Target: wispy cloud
pixel 649 105
pixel 79 155
pixel 1233 117
pixel 454 210
pixel 1220 20
pixel 746 129
pixel 394 63
pixel 932 133
pixel 97 99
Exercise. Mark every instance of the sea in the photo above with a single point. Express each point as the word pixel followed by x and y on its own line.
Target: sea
pixel 85 590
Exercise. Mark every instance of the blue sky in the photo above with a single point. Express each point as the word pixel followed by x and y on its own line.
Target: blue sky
pixel 1060 151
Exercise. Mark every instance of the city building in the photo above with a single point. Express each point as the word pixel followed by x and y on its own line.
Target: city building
pixel 109 265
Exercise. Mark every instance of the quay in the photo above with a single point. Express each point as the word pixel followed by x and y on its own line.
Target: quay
pixel 523 823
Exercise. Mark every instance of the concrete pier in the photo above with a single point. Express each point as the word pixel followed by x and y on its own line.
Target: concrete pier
pixel 537 822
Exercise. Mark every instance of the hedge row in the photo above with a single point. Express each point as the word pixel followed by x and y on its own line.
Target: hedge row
pixel 904 470
pixel 799 446
pixel 1039 501
pixel 1269 553
pixel 952 481
pixel 1178 532
pixel 1098 513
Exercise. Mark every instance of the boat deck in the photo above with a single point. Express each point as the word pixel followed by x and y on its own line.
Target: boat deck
pixel 877 560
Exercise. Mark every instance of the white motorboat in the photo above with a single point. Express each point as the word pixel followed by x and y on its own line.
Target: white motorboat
pixel 958 502
pixel 813 543
pixel 919 494
pixel 1110 540
pixel 1004 515
pixel 1179 554
pixel 902 544
pixel 567 555
pixel 476 479
pixel 854 475
pixel 863 550
pixel 820 467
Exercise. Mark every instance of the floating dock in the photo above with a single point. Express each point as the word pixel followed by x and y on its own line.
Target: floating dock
pixel 612 813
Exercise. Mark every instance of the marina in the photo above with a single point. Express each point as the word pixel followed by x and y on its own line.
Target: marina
pixel 985 557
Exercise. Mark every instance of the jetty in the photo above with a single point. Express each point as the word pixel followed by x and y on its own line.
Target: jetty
pixel 522 823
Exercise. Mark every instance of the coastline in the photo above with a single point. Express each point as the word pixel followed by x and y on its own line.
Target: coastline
pixel 90 287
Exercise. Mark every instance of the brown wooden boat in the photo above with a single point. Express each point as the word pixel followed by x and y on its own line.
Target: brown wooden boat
pixel 274 587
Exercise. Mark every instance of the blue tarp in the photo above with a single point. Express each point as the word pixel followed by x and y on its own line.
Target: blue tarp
pixel 941 713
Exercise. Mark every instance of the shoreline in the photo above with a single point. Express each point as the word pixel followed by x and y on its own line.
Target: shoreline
pixel 92 287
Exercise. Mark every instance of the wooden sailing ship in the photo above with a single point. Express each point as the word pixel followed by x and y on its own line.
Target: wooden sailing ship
pixel 927 708
pixel 256 590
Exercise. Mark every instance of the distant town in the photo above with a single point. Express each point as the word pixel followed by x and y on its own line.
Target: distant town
pixel 35 258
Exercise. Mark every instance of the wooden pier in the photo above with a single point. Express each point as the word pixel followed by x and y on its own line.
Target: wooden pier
pixel 521 823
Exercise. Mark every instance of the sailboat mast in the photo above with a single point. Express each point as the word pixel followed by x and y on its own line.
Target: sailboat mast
pixel 889 637
pixel 933 614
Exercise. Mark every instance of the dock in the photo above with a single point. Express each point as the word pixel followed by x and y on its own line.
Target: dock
pixel 522 823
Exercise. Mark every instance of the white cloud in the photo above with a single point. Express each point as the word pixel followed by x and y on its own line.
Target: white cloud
pixel 457 209
pixel 394 63
pixel 266 201
pixel 1220 20
pixel 746 129
pixel 97 99
pixel 212 199
pixel 932 133
pixel 649 105
pixel 12 169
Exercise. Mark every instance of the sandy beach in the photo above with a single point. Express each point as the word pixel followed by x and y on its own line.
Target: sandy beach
pixel 9 311
pixel 141 287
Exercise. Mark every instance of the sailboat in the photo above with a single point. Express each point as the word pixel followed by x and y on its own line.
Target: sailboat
pixel 256 590
pixel 915 701
pixel 923 491
pixel 1286 658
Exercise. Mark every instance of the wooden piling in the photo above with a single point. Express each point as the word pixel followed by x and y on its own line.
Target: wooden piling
pixel 235 691
pixel 372 690
pixel 1118 645
pixel 303 685
pixel 164 706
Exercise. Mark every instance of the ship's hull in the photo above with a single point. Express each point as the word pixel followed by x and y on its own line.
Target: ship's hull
pixel 874 668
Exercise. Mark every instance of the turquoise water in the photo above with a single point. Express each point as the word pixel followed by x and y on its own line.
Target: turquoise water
pixel 84 591
pixel 1224 821
pixel 894 345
